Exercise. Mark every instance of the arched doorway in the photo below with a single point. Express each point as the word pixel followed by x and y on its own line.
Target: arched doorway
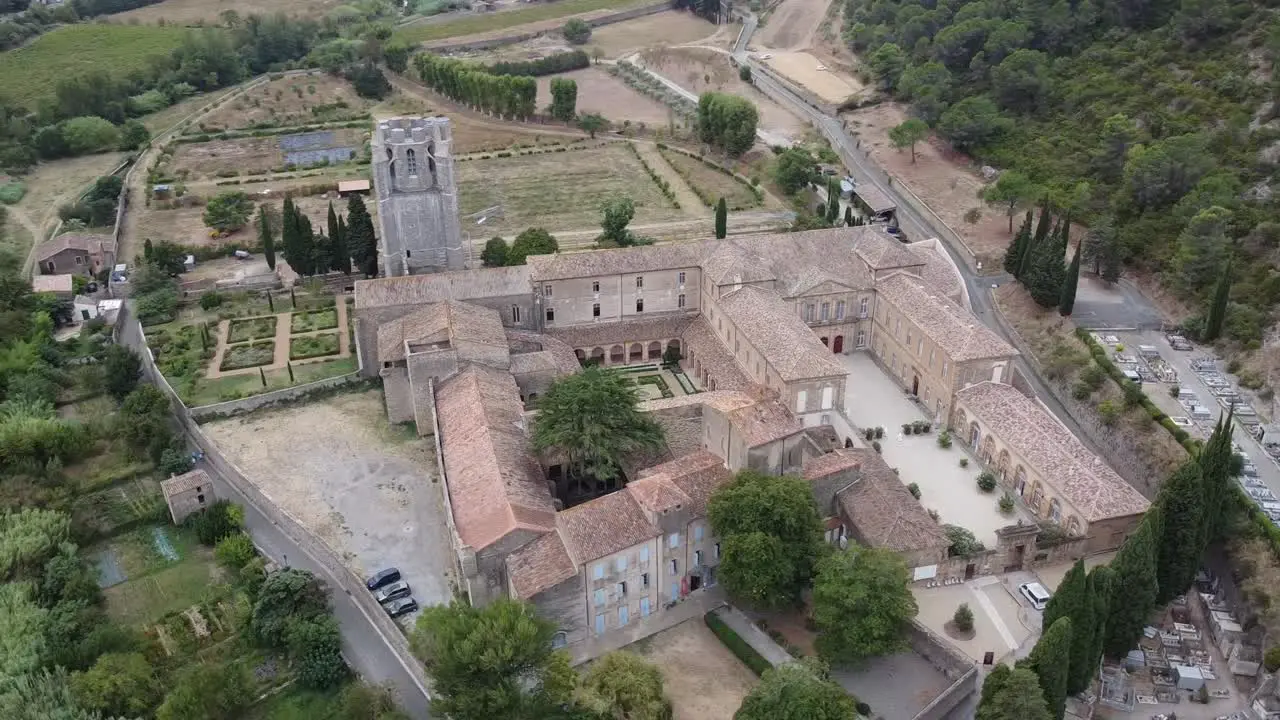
pixel 582 357
pixel 655 350
pixel 597 356
pixel 915 384
pixel 1020 481
pixel 825 341
pixel 674 345
pixel 637 353
pixel 973 435
pixel 837 345
pixel 848 442
pixel 616 354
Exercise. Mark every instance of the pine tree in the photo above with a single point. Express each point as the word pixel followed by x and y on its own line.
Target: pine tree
pixel 265 237
pixel 1067 299
pixel 1218 309
pixel 360 237
pixel 1133 588
pixel 339 255
pixel 1051 660
pixel 1215 473
pixel 1178 553
pixel 1100 582
pixel 722 219
pixel 1017 248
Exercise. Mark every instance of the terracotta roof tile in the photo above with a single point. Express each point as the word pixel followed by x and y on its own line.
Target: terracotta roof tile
pixel 639 329
pixel 953 328
pixel 185 482
pixel 461 324
pixel 456 285
pixel 553 354
pixel 882 510
pixel 77 241
pixel 495 484
pixel 694 477
pixel 540 565
pixel 790 347
pixel 711 354
pixel 1083 478
pixel 764 422
pixel 604 526
pixel 938 273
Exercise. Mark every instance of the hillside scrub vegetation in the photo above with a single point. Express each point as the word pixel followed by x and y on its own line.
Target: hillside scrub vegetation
pixel 1154 124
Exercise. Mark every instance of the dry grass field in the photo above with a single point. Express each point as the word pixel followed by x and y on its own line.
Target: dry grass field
pixel 699 69
pixel 289 101
pixel 600 92
pixel 558 190
pixel 665 28
pixel 712 182
pixel 802 67
pixel 517 21
pixel 190 12
pixel 186 225
pixel 700 675
pixel 244 156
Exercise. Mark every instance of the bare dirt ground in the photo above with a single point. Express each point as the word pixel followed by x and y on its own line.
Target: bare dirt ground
pixel 368 489
pixel 703 679
pixel 290 101
pixel 600 92
pixel 245 155
pixel 188 12
pixel 700 69
pixel 940 177
pixel 186 226
pixel 803 68
pixel 793 24
pixel 664 28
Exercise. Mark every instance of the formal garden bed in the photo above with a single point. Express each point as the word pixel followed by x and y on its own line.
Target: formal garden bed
pixel 251 329
pixel 314 320
pixel 658 382
pixel 309 346
pixel 247 355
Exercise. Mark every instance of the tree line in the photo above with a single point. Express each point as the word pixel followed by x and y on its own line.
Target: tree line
pixel 533 241
pixel 349 239
pixel 77 119
pixel 548 65
pixel 506 96
pixel 1037 260
pixel 1127 114
pixel 1103 612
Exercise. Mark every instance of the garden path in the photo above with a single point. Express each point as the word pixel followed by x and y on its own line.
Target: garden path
pixel 284 331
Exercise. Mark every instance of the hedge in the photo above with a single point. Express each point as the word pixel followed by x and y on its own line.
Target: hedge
pixel 736 644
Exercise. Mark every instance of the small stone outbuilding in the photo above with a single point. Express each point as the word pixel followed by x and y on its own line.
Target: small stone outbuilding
pixel 187 493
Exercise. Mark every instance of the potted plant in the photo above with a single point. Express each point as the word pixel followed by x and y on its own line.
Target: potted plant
pixel 944 440
pixel 964 462
pixel 906 428
pixel 879 432
pixel 986 481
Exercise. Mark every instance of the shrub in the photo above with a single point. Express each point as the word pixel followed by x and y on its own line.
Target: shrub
pixel 914 489
pixel 879 432
pixel 876 445
pixel 210 300
pixel 1006 503
pixel 944 440
pixel 963 618
pixel 218 521
pixel 906 428
pixel 1271 661
pixel 235 551
pixel 986 481
pixel 1173 391
pixel 868 434
pixel 964 462
pixel 576 31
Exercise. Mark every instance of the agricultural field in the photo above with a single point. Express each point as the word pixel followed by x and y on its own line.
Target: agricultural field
pixel 600 92
pixel 185 224
pixel 548 16
pixel 32 72
pixel 699 70
pixel 162 120
pixel 712 184
pixel 559 190
pixel 254 155
pixel 289 101
pixel 191 12
pixel 673 27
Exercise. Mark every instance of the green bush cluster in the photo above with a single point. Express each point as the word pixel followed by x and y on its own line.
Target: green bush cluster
pixel 739 647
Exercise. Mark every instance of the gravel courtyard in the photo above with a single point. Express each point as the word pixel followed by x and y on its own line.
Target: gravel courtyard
pixel 367 488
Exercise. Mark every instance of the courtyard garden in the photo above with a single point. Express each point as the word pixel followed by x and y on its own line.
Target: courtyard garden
pixel 654 382
pixel 237 345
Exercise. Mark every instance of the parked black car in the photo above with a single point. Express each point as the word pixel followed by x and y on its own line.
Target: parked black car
pixel 396 608
pixel 382 577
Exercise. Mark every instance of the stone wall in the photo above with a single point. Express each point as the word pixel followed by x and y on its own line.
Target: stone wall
pixel 958 668
pixel 205 413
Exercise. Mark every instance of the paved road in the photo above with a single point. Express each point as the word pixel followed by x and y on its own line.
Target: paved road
pixel 913 224
pixel 364 649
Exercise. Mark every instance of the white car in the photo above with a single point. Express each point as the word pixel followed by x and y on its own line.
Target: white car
pixel 1035 593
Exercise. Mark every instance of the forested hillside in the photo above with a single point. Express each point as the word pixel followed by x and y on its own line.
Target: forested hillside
pixel 1154 123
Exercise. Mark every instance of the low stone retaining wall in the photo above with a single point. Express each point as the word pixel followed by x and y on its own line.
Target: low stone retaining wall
pixel 949 662
pixel 204 413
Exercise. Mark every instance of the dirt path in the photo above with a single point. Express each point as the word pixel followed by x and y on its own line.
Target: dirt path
pixel 37 237
pixel 690 203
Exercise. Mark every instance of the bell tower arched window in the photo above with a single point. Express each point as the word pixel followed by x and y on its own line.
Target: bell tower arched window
pixel 411 161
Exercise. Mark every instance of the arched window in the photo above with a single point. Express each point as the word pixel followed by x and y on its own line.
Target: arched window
pixel 1055 510
pixel 391 162
pixel 411 161
pixel 559 640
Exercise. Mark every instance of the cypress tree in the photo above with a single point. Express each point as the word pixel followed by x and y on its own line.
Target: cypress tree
pixel 848 216
pixel 1017 248
pixel 340 256
pixel 722 219
pixel 1051 660
pixel 1038 240
pixel 1042 227
pixel 833 201
pixel 1178 552
pixel 1215 473
pixel 331 257
pixel 360 237
pixel 1067 299
pixel 266 237
pixel 1133 588
pixel 1044 273
pixel 147 249
pixel 1100 584
pixel 1015 695
pixel 1218 307
pixel 1072 600
pixel 289 234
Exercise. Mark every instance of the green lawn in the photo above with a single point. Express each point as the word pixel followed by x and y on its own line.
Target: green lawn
pixel 31 73
pixel 488 22
pixel 157 586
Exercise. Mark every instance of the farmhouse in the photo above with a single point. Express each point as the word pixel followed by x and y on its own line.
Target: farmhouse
pixel 75 253
pixel 758 323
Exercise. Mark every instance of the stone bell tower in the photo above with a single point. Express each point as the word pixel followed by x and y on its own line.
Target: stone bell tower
pixel 418 226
